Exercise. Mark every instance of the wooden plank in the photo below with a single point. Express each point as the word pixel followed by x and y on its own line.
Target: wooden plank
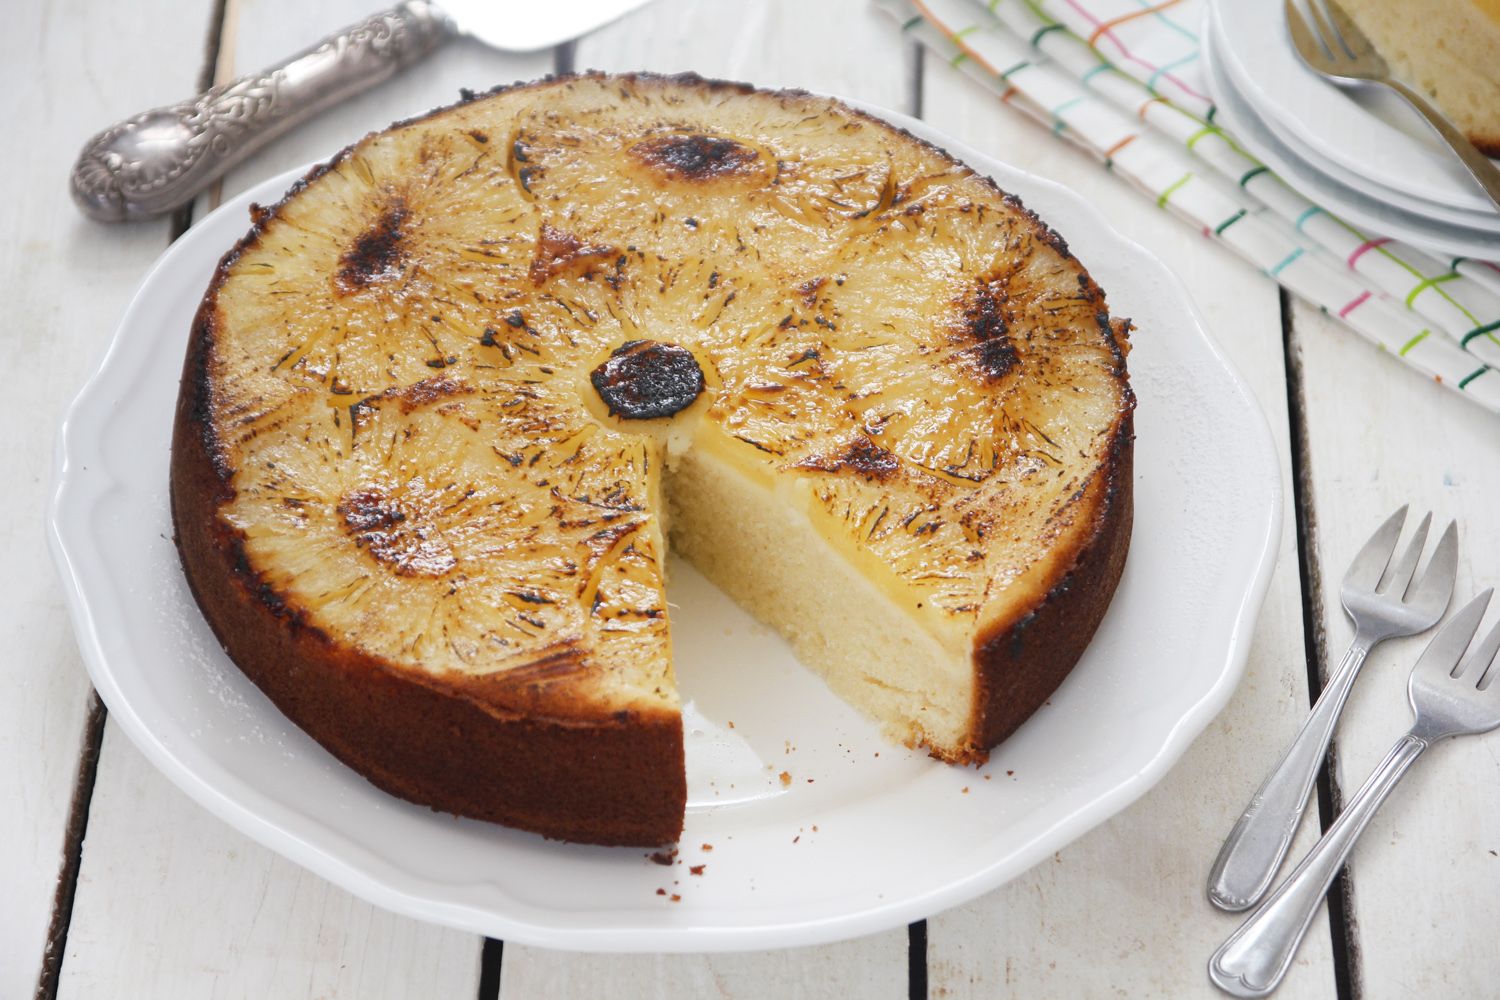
pixel 171 902
pixel 869 968
pixel 65 76
pixel 1123 911
pixel 770 44
pixel 839 47
pixel 1422 902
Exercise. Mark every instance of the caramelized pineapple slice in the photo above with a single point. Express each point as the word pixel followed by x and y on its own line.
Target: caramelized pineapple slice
pixel 455 528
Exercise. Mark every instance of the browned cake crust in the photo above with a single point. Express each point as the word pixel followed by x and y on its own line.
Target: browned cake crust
pixel 1020 665
pixel 496 752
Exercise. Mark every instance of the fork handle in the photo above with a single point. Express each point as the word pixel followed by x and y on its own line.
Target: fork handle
pixel 1479 165
pixel 1255 848
pixel 1256 957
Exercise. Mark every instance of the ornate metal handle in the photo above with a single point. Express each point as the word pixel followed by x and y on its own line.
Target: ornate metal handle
pixel 1256 846
pixel 159 159
pixel 1256 957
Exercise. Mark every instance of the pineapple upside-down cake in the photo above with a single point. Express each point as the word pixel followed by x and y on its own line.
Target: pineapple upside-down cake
pixel 448 403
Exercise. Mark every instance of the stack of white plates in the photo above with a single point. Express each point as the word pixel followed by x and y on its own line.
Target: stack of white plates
pixel 1362 154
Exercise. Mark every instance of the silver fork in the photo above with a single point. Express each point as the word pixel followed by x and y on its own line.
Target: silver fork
pixel 1333 45
pixel 1256 846
pixel 1449 698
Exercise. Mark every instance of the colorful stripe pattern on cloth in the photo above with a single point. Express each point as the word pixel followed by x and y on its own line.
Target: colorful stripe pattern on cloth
pixel 1121 79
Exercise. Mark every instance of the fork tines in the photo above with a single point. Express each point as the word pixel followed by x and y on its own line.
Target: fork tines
pixel 1372 571
pixel 1444 652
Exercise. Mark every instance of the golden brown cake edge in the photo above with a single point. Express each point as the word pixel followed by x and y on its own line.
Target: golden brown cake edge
pixel 1021 663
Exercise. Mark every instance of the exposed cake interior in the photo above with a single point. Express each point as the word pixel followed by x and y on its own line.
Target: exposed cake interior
pixel 766 554
pixel 1447 49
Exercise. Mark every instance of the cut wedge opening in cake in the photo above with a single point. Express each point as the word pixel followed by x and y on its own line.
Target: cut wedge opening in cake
pixel 447 405
pixel 756 539
pixel 766 554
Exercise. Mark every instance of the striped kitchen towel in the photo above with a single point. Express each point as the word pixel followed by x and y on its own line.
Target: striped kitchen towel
pixel 1122 79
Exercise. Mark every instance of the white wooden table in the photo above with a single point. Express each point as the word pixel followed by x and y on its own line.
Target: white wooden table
pixel 116 885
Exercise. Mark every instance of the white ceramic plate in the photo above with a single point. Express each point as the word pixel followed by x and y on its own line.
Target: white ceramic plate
pixel 1486 219
pixel 1381 217
pixel 1483 219
pixel 1481 216
pixel 865 837
pixel 1368 131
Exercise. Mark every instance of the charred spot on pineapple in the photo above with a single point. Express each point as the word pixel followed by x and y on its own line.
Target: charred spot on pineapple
pixel 984 320
pixel 993 358
pixel 644 379
pixel 808 290
pixel 862 456
pixel 558 251
pixel 696 157
pixel 378 254
pixel 383 527
pixel 428 390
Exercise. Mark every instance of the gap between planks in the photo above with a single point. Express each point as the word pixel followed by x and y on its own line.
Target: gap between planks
pixel 72 854
pixel 491 960
pixel 1315 643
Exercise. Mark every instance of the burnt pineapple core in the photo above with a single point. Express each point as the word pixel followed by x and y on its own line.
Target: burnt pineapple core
pixel 449 402
pixel 643 379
